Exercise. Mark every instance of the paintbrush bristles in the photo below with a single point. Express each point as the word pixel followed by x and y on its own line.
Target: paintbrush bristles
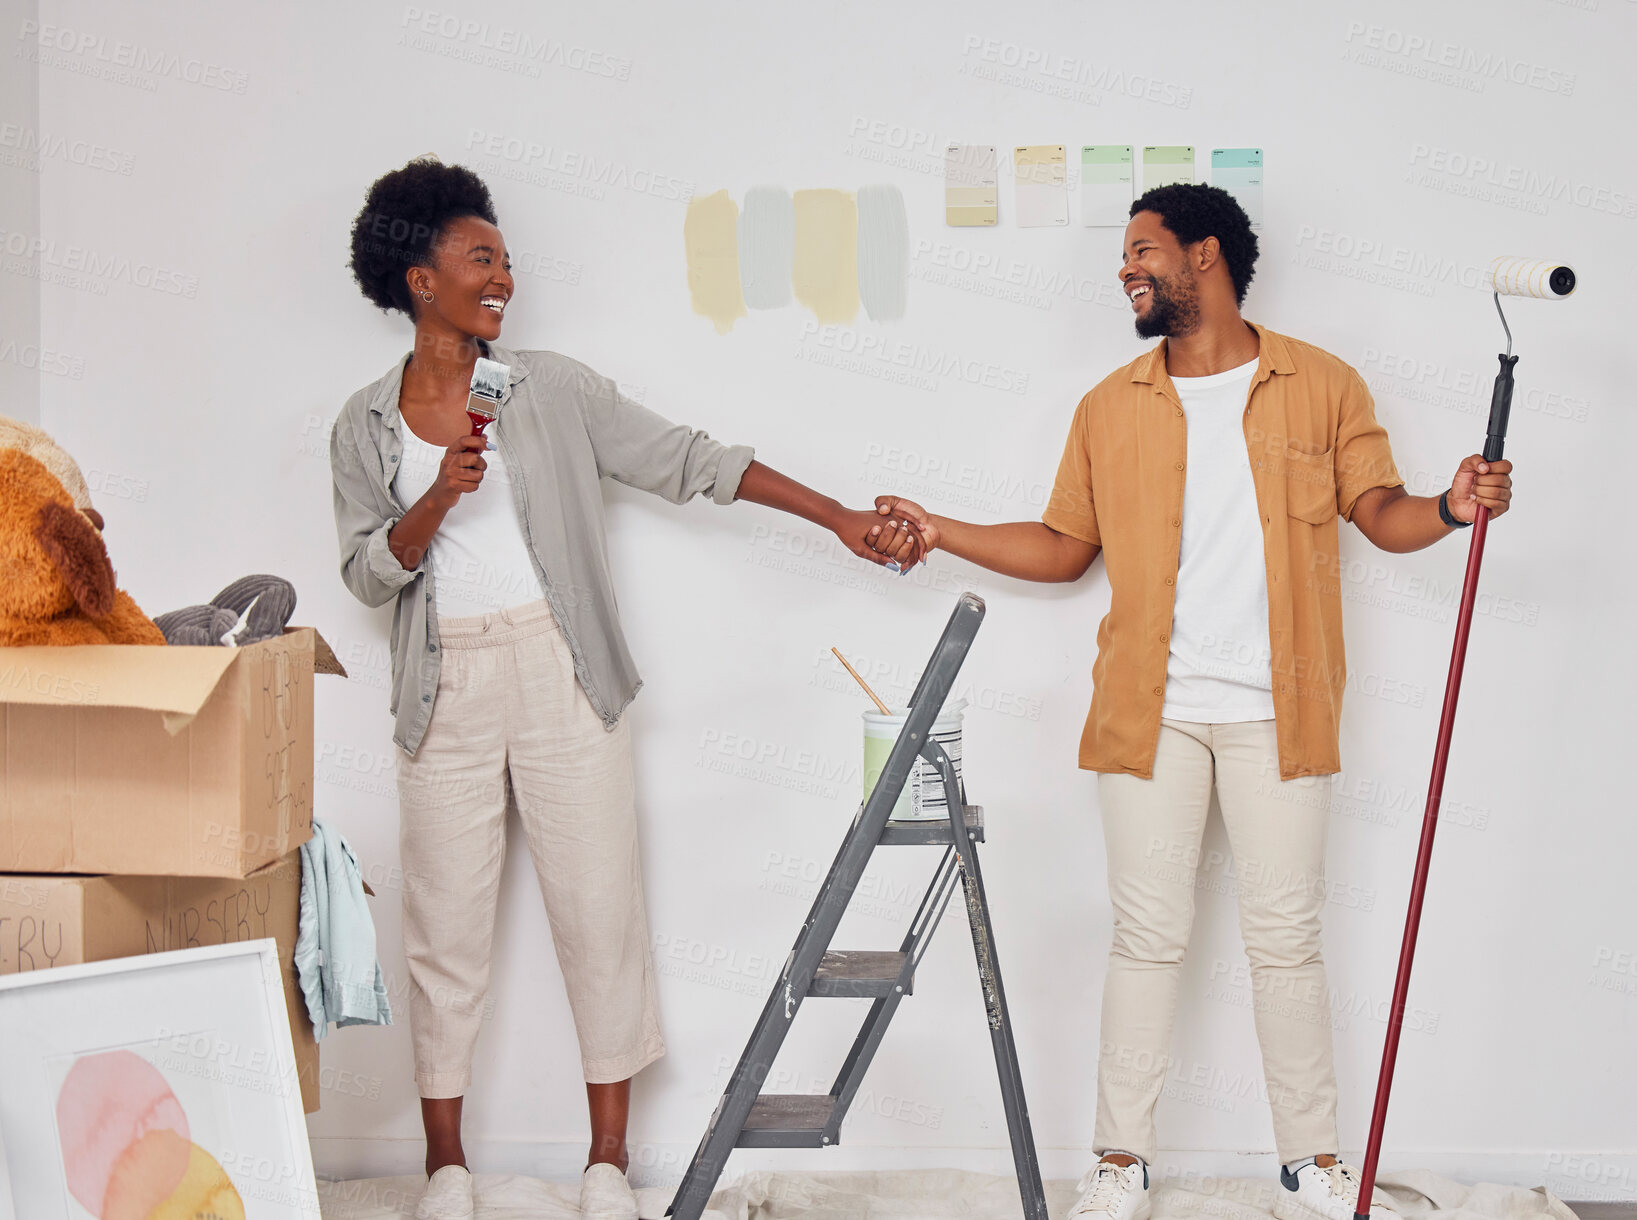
pixel 489 378
pixel 885 710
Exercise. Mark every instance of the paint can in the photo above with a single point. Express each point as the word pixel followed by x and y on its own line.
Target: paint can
pixel 923 797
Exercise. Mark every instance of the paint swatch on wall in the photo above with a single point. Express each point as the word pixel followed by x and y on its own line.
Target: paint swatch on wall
pixel 883 252
pixel 1163 164
pixel 1239 172
pixel 971 185
pixel 1042 185
pixel 1106 182
pixel 825 267
pixel 710 235
pixel 767 242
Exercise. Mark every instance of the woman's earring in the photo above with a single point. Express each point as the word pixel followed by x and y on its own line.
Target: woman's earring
pixel 426 296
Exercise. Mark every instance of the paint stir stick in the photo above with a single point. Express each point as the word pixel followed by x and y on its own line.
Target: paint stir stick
pixel 885 710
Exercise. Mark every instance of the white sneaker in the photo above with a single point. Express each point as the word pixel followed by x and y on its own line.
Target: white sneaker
pixel 1113 1192
pixel 605 1194
pixel 448 1195
pixel 1325 1193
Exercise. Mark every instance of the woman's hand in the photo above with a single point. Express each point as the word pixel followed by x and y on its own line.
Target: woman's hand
pixel 861 532
pixel 897 509
pixel 460 471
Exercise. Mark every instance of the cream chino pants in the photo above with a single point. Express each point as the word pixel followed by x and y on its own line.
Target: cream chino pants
pixel 1277 831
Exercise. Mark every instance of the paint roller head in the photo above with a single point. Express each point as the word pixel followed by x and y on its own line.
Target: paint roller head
pixel 1526 277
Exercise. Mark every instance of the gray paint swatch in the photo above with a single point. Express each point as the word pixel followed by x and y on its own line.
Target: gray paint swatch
pixel 883 252
pixel 767 239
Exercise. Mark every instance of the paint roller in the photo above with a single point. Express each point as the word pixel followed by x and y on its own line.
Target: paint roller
pixel 1525 277
pixel 1512 277
pixel 1516 277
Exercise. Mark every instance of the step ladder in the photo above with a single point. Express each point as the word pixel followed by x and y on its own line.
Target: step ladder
pixel 748 1118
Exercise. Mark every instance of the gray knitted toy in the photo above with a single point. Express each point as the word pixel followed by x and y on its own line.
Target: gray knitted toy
pixel 250 609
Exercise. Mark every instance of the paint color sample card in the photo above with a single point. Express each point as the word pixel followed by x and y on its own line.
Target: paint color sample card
pixel 1042 185
pixel 1239 172
pixel 1106 182
pixel 1166 163
pixel 971 185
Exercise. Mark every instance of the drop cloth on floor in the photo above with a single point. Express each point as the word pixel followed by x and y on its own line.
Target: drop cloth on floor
pixel 931 1194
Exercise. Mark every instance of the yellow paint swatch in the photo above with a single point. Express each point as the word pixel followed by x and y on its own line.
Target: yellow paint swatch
pixel 710 233
pixel 825 274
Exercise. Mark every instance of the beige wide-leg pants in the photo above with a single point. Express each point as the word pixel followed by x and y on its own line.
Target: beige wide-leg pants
pixel 509 708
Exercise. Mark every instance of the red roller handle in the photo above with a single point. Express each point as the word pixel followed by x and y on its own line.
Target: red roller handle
pixel 1423 858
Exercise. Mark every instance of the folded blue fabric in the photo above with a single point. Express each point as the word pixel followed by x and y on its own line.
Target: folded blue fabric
pixel 335 944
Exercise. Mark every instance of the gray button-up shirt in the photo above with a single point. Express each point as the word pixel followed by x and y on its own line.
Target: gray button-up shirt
pixel 562 427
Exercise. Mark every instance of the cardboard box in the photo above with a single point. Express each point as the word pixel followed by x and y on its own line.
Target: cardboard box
pixel 150 761
pixel 61 921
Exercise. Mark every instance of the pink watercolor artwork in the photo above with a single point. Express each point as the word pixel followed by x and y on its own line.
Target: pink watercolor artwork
pixel 126 1149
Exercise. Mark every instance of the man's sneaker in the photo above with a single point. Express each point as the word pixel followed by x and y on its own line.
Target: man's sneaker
pixel 448 1195
pixel 1325 1192
pixel 1113 1192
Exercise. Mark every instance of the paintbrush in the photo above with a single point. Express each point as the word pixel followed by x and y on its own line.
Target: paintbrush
pixel 489 380
pixel 885 710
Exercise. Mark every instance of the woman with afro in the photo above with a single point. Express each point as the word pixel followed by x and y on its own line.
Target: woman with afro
pixel 510 670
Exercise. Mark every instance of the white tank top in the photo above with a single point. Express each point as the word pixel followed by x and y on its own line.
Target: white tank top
pixel 480 561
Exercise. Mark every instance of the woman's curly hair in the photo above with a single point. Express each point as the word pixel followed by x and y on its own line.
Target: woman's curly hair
pixel 403 215
pixel 1194 212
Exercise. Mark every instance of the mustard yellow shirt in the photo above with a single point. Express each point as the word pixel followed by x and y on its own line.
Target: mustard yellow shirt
pixel 1314 447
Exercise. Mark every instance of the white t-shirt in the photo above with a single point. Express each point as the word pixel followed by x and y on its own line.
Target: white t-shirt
pixel 480 561
pixel 1220 666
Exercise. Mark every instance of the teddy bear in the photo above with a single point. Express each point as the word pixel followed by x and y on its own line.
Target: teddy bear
pixel 60 585
pixel 57 584
pixel 37 443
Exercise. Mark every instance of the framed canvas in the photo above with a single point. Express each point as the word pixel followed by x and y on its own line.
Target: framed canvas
pixel 154 1086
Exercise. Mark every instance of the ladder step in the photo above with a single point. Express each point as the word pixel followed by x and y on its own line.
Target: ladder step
pixel 904 833
pixel 787 1120
pixel 853 973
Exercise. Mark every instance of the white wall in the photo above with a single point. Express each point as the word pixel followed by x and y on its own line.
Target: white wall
pixel 205 401
pixel 20 226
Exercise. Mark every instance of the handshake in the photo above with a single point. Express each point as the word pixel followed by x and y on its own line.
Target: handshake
pixel 898 535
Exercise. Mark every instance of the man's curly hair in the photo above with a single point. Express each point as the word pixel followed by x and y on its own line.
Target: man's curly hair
pixel 1194 212
pixel 403 215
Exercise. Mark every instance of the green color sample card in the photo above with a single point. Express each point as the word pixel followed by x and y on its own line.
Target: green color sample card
pixel 1163 164
pixel 1107 176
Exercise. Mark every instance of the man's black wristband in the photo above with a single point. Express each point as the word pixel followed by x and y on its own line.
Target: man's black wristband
pixel 1443 512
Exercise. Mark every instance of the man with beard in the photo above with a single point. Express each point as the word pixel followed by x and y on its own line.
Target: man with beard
pixel 1210 473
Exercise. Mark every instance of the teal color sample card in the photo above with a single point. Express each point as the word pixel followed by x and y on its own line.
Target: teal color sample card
pixel 1239 172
